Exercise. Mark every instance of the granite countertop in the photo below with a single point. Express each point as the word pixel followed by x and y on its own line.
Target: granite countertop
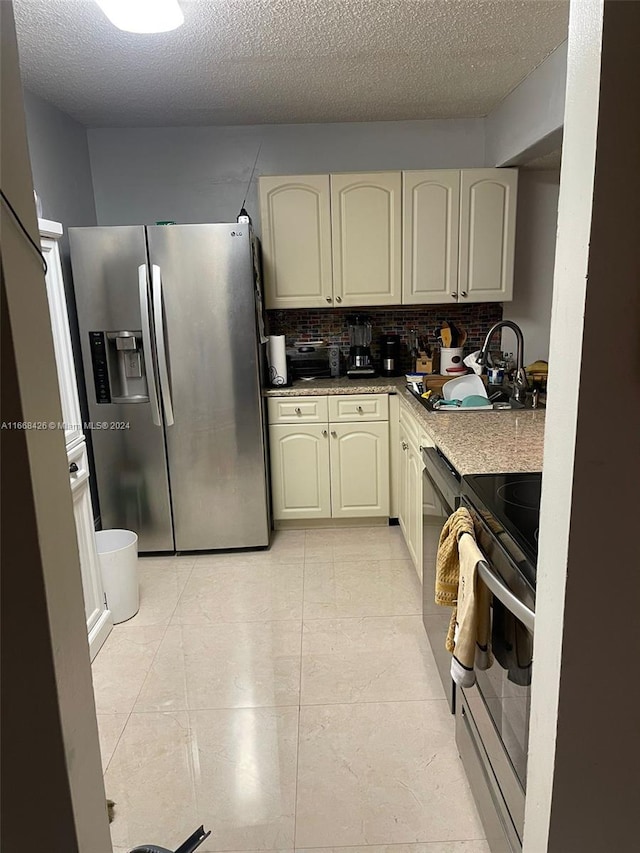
pixel 485 442
pixel 343 385
pixel 474 442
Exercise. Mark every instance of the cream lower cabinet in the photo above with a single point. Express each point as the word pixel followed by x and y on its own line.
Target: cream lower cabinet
pixel 359 470
pixel 300 472
pixel 410 497
pixel 333 469
pixel 417 499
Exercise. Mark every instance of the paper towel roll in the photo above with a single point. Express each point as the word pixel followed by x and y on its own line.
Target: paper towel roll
pixel 277 357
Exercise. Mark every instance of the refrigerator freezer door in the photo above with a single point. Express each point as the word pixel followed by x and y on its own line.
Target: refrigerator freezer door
pixel 216 444
pixel 129 453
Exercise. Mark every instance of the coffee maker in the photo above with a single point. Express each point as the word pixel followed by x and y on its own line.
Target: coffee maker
pixel 359 347
pixel 390 355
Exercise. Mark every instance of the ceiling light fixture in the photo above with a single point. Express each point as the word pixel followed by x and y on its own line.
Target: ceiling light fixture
pixel 143 16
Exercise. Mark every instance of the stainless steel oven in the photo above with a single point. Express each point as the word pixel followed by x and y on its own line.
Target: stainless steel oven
pixel 492 717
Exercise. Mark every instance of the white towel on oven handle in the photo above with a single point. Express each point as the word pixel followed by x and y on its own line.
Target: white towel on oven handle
pixel 473 619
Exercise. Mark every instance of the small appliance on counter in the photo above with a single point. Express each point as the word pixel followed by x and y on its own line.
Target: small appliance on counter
pixel 360 364
pixel 390 355
pixel 310 360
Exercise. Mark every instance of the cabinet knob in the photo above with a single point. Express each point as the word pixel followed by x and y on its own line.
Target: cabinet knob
pixel 454 295
pixel 328 299
pixel 338 298
pixel 73 468
pixel 325 433
pixel 405 446
pixel 360 410
pixel 464 293
pixel 298 410
pixel 334 434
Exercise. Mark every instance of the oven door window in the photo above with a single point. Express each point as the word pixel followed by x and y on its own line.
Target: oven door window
pixel 505 688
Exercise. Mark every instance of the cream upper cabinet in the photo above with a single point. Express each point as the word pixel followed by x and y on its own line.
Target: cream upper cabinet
pixel 359 470
pixel 487 234
pixel 300 475
pixel 296 241
pixel 430 225
pixel 366 238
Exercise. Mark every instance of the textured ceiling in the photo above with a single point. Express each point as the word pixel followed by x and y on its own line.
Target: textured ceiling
pixel 264 61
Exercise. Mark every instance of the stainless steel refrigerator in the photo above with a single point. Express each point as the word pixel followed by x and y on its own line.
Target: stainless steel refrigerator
pixel 171 357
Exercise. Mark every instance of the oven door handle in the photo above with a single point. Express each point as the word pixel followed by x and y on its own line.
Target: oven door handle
pixel 513 604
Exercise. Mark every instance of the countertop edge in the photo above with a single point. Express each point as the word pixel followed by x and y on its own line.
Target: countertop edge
pixel 504 442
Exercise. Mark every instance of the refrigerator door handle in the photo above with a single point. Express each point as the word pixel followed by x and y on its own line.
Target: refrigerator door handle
pixel 158 317
pixel 146 344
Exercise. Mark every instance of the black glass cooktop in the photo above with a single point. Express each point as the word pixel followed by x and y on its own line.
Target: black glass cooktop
pixel 513 501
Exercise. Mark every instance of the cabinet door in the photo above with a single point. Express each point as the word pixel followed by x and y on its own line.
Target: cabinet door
pixel 99 619
pixel 366 232
pixel 62 344
pixel 430 224
pixel 431 505
pixel 296 241
pixel 402 479
pixel 359 470
pixel 487 234
pixel 300 484
pixel 414 507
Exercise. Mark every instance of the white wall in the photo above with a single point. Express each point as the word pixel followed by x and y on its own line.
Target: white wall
pixel 200 174
pixel 528 122
pixel 534 259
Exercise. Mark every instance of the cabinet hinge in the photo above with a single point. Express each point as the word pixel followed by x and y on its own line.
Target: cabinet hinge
pixel 106 605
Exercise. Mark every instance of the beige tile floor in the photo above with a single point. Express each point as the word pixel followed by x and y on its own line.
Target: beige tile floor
pixel 287 700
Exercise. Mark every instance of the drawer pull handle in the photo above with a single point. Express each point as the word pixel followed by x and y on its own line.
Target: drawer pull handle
pixel 298 410
pixel 73 468
pixel 325 433
pixel 334 433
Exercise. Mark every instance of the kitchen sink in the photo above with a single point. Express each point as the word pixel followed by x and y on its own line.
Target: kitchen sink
pixel 503 403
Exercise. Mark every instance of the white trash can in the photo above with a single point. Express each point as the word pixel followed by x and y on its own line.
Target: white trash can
pixel 118 555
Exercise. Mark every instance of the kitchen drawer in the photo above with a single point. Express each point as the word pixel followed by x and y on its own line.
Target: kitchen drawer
pixel 294 410
pixel 78 465
pixel 359 407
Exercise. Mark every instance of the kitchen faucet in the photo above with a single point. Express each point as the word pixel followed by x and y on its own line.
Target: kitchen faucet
pixel 520 383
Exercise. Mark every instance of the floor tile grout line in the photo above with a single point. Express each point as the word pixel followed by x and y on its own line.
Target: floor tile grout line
pixel 279 707
pixel 144 681
pixel 153 660
pixel 128 714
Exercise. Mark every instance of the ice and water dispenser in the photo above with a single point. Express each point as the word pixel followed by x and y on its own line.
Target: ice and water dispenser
pixel 119 370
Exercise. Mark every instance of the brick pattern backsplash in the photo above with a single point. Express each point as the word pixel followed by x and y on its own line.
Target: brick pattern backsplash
pixel 330 324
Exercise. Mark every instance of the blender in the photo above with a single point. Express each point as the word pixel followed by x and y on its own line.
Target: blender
pixel 359 347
